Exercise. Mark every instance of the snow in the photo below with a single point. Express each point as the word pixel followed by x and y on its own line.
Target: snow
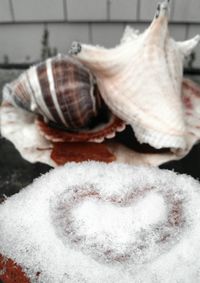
pixel 96 222
pixel 119 220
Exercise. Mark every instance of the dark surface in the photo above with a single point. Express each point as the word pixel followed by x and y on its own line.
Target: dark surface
pixel 16 173
pixel 189 165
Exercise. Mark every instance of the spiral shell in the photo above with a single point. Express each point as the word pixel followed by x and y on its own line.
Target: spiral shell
pixel 60 89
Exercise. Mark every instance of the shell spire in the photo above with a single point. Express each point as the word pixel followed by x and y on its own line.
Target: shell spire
pixel 140 80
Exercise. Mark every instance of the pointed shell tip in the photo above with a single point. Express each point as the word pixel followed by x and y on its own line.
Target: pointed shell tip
pixel 75 48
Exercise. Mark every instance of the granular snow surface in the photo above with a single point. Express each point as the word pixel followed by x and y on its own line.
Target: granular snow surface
pixel 96 222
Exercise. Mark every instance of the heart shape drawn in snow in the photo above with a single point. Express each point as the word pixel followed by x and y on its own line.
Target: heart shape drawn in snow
pixel 135 227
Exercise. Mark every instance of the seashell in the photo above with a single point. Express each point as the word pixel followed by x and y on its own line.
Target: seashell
pixel 64 93
pixel 140 80
pixel 20 128
pixel 60 89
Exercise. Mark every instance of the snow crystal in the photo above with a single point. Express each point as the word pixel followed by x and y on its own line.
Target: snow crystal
pixel 151 209
pixel 96 222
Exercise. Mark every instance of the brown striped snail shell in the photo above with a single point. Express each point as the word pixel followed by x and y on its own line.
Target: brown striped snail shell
pixel 60 89
pixel 63 92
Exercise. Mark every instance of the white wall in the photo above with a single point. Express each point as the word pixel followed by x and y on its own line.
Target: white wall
pixel 100 22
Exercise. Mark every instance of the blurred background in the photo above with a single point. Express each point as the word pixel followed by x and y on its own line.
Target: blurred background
pixel 32 30
pixel 29 27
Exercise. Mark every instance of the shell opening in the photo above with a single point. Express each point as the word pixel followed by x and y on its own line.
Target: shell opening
pixel 101 118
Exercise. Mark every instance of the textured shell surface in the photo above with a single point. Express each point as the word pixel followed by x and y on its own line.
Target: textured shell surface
pixel 60 89
pixel 36 144
pixel 140 80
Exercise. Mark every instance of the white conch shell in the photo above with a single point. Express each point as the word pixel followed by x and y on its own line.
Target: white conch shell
pixel 140 80
pixel 129 34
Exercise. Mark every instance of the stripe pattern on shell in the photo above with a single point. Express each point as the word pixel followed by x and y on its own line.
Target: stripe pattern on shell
pixel 60 89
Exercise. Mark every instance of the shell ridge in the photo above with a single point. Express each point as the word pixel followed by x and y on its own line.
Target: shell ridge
pixel 62 97
pixel 38 97
pixel 94 106
pixel 33 103
pixel 53 91
pixel 44 84
pixel 156 78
